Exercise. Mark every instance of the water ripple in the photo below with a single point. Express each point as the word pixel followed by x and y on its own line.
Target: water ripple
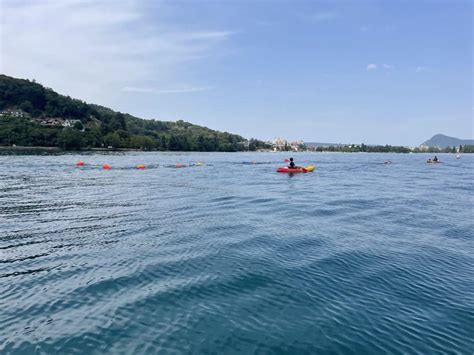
pixel 231 257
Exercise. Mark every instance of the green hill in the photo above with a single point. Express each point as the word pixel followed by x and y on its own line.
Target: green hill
pixel 32 115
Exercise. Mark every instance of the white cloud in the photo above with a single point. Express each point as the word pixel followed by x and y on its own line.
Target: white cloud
pixel 420 69
pixel 388 66
pixel 181 90
pixel 92 49
pixel 371 66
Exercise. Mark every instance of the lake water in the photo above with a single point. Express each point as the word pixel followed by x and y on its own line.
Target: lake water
pixel 231 257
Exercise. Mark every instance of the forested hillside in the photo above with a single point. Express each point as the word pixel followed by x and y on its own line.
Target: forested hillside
pixel 32 115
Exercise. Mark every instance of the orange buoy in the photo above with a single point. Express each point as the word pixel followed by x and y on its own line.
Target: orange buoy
pixel 141 166
pixel 80 163
pixel 106 166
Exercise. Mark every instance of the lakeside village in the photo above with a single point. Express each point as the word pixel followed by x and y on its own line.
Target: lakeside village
pixel 275 145
pixel 281 144
pixel 42 121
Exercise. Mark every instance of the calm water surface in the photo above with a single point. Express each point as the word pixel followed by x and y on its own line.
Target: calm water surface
pixel 231 257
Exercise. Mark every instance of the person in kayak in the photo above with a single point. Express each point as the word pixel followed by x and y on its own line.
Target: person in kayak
pixel 435 159
pixel 292 165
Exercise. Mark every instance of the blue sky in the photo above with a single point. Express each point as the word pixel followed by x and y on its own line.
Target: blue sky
pixel 378 72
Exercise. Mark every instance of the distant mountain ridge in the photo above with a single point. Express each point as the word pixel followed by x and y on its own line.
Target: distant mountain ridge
pixel 442 141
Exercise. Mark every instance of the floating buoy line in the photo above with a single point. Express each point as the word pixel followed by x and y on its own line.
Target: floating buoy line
pixel 106 166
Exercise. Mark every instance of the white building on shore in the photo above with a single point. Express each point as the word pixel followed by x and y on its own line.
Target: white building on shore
pixel 281 145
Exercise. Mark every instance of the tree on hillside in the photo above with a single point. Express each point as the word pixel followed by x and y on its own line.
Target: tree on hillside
pixel 117 122
pixel 143 142
pixel 70 139
pixel 252 145
pixel 27 106
pixel 78 126
pixel 112 140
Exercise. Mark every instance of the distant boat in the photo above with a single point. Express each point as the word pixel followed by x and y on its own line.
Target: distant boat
pixel 458 156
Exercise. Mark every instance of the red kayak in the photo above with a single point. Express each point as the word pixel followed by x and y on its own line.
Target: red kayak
pixel 306 169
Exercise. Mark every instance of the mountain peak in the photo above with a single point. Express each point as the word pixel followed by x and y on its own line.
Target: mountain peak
pixel 443 141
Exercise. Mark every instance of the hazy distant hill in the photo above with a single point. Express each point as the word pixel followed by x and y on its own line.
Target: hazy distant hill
pixel 442 141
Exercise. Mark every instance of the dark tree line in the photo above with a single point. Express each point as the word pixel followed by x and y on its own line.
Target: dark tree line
pixel 357 148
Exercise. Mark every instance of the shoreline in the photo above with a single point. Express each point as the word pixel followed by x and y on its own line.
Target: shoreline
pixel 59 150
